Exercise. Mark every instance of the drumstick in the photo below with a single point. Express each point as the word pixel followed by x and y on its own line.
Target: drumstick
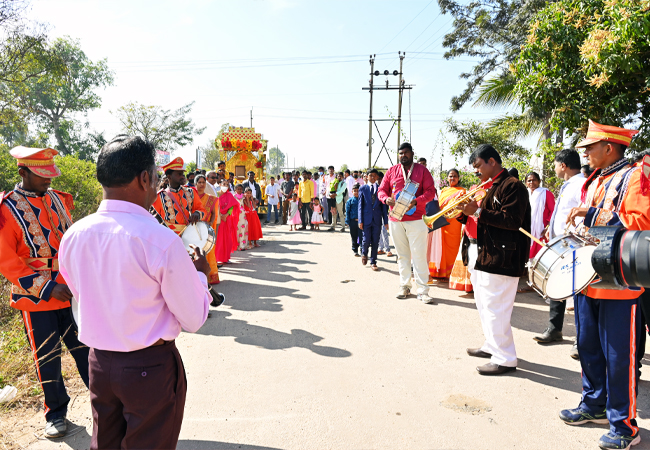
pixel 539 242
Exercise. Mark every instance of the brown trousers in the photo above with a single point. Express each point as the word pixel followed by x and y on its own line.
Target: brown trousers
pixel 137 398
pixel 285 211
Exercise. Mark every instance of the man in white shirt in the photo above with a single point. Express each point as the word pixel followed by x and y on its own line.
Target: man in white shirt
pixel 350 181
pixel 212 185
pixel 567 167
pixel 272 198
pixel 328 203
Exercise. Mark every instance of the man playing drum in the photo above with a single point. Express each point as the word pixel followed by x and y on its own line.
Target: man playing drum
pixel 178 205
pixel 607 321
pixel 410 232
pixel 567 167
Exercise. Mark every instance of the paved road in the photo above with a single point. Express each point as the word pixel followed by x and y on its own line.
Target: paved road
pixel 298 359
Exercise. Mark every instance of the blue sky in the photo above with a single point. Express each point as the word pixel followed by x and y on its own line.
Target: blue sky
pixel 300 65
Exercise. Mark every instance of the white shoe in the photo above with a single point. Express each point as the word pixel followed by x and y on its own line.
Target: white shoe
pixel 426 299
pixel 403 292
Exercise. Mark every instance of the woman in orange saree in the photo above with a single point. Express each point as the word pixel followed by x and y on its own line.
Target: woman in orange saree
pixel 211 205
pixel 450 234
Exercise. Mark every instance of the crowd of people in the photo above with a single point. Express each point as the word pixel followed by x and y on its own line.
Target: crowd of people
pixel 123 337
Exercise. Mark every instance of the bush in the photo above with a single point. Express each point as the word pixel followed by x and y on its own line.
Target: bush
pixel 79 178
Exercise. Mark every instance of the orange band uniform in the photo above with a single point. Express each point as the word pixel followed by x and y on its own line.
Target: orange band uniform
pixel 31 228
pixel 185 197
pixel 614 197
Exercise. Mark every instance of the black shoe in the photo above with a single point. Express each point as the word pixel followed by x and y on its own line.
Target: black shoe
pixel 217 298
pixel 549 336
pixel 478 353
pixel 494 369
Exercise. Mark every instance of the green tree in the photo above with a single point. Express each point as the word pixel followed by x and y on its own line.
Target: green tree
pixel 164 128
pixel 55 96
pixel 471 133
pixel 343 168
pixel 275 161
pixel 190 166
pixel 490 30
pixel 79 178
pixel 211 154
pixel 24 55
pixel 588 59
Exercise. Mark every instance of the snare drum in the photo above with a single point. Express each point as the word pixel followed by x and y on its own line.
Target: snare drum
pixel 558 277
pixel 201 234
pixel 403 199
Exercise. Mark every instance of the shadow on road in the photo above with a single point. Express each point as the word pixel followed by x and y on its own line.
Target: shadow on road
pixel 192 444
pixel 263 337
pixel 268 269
pixel 256 297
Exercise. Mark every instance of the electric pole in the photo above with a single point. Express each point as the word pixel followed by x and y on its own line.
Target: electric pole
pixel 372 70
pixel 400 87
pixel 251 117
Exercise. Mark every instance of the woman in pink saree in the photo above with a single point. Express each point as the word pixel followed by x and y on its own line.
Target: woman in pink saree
pixel 229 210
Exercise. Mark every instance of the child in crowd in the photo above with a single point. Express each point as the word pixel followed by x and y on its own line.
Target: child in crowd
pixel 317 215
pixel 242 224
pixel 384 243
pixel 352 218
pixel 294 213
pixel 254 224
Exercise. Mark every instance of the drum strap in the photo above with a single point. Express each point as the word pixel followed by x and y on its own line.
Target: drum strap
pixel 179 207
pixel 407 177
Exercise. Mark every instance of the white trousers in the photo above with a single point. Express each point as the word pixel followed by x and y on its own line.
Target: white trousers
pixel 410 239
pixel 495 298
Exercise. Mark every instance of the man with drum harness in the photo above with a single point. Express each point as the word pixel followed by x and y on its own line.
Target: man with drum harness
pixel 409 232
pixel 178 205
pixel 608 321
pixel 33 219
pixel 567 167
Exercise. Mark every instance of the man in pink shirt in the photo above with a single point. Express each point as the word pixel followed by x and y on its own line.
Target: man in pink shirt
pixel 410 233
pixel 136 288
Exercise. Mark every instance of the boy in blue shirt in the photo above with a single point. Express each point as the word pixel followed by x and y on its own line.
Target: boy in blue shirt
pixel 352 218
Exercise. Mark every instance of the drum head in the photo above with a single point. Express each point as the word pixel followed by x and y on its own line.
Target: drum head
pixel 74 305
pixel 561 283
pixel 201 235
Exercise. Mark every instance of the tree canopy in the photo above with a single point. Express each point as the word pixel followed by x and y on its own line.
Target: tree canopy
pixel 56 95
pixel 588 59
pixel 491 31
pixel 164 128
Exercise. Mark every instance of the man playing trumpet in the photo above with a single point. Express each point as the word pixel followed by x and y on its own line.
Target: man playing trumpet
pixel 502 256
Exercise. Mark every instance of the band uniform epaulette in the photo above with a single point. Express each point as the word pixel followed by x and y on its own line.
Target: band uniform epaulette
pixel 68 199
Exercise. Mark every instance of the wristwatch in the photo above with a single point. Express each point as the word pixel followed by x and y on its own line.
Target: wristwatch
pixel 477 212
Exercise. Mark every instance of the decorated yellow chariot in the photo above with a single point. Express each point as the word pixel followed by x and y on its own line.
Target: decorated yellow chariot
pixel 243 150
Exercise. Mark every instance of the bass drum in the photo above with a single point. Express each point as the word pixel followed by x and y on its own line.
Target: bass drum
pixel 74 305
pixel 201 234
pixel 562 268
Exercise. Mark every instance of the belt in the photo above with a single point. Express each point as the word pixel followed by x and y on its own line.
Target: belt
pixel 160 342
pixel 42 264
pixel 472 241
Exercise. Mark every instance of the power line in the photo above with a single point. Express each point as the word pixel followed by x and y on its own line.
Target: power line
pixel 400 32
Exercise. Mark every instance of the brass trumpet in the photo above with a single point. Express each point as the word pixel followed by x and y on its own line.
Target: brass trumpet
pixel 450 211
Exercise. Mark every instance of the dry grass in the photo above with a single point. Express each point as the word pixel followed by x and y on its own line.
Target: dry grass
pixel 17 369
